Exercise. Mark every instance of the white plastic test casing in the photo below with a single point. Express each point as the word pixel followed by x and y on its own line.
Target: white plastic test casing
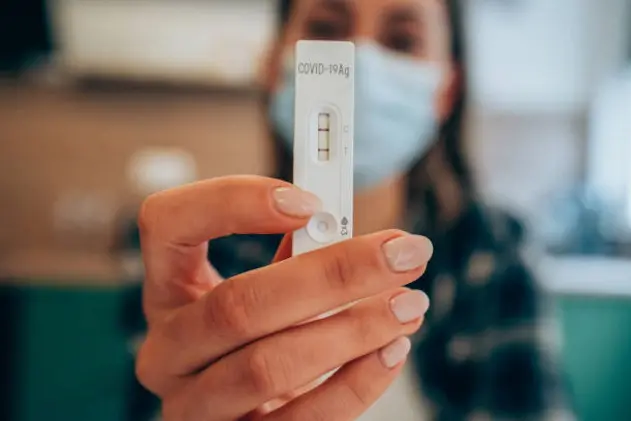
pixel 323 139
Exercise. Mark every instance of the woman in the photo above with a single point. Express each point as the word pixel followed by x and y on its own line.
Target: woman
pixel 239 349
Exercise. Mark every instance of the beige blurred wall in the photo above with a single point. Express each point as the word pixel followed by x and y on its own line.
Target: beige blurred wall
pixel 59 142
pixel 54 142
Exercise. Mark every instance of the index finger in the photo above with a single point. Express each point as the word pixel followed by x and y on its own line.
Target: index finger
pixel 176 224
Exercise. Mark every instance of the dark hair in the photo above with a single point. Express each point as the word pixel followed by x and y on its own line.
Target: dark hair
pixel 285 8
pixel 449 148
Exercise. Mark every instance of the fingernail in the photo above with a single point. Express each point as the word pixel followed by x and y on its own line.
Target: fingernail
pixel 408 252
pixel 295 202
pixel 395 353
pixel 409 306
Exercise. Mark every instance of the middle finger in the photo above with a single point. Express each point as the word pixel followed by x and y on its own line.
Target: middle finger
pixel 267 300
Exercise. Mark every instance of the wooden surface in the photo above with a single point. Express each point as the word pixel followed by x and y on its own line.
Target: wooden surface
pixel 68 269
pixel 57 141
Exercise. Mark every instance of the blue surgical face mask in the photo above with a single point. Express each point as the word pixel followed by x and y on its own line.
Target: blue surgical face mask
pixel 395 119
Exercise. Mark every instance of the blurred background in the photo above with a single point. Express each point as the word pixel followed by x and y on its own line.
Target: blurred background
pixel 103 102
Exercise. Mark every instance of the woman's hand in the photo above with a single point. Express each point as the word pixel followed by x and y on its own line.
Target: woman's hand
pixel 220 350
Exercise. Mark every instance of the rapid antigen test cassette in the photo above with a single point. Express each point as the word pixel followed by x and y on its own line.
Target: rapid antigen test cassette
pixel 323 139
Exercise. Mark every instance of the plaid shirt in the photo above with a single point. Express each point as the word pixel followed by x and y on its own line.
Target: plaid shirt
pixel 486 351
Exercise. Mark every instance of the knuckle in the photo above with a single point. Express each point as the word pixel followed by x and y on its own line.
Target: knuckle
pixel 372 324
pixel 353 397
pixel 226 312
pixel 352 261
pixel 339 269
pixel 266 377
pixel 311 413
pixel 365 326
pixel 356 394
pixel 373 258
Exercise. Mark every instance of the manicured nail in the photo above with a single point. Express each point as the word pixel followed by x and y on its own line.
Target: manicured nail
pixel 409 306
pixel 408 252
pixel 395 353
pixel 295 202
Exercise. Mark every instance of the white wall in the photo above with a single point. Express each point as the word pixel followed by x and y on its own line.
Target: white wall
pixel 535 68
pixel 216 42
pixel 610 41
pixel 529 54
pixel 521 162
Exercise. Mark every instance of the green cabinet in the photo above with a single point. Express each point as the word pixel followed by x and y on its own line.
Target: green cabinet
pixel 597 355
pixel 69 357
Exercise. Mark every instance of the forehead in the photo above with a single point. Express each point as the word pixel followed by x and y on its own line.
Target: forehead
pixel 373 16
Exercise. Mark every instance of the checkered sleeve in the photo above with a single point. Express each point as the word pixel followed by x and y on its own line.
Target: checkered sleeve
pixel 489 350
pixel 236 254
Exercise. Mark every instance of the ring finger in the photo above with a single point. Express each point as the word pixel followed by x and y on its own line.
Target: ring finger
pixel 350 392
pixel 293 358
